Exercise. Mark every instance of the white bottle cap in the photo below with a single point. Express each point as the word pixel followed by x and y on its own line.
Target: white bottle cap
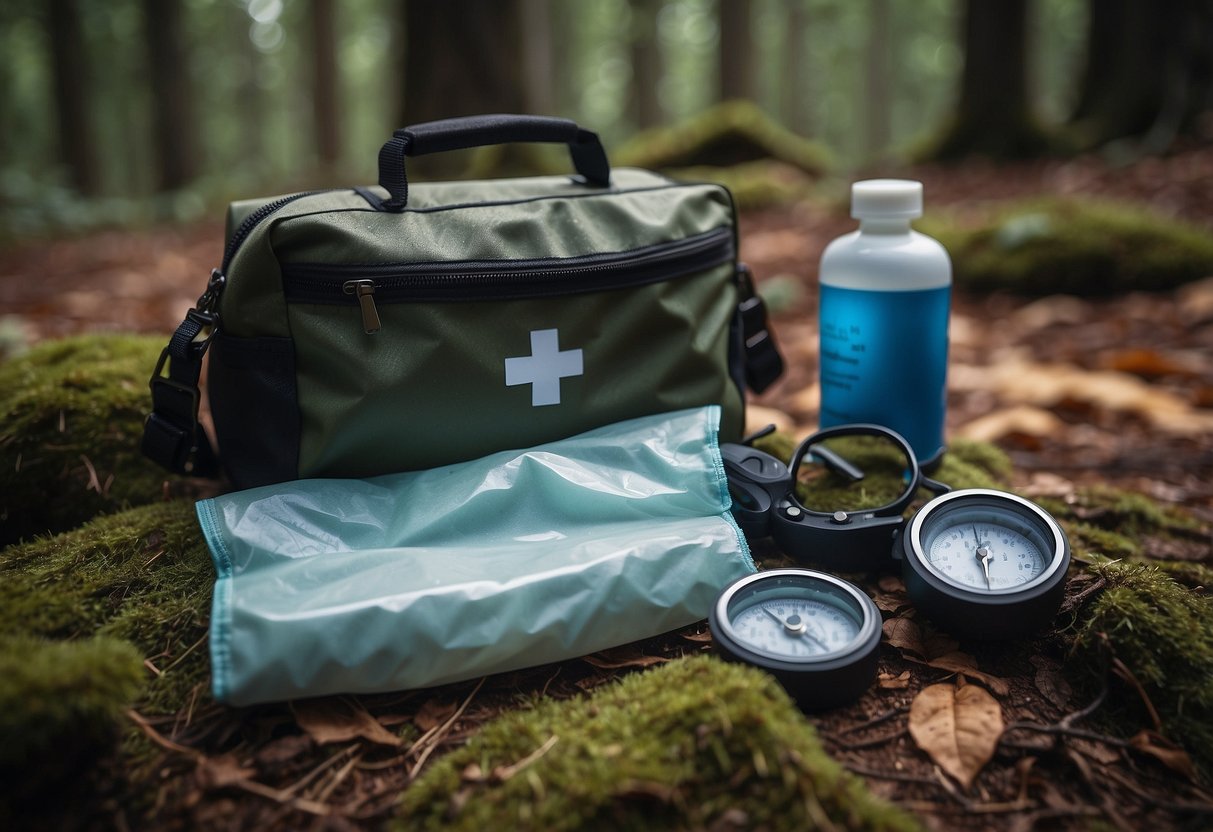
pixel 886 198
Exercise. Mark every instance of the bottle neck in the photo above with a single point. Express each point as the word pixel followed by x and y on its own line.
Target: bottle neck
pixel 885 225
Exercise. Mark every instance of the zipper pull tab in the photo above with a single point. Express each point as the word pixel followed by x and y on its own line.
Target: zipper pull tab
pixel 364 290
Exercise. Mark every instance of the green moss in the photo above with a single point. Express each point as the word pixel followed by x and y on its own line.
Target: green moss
pixel 690 744
pixel 737 146
pixel 61 706
pixel 143 575
pixel 1082 248
pixel 1163 632
pixel 1192 575
pixel 1086 540
pixel 965 465
pixel 72 413
pixel 1124 514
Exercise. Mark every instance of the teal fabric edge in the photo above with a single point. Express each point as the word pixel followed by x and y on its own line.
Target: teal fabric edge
pixel 722 483
pixel 221 604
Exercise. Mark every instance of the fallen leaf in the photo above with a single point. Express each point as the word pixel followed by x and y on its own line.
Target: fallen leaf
pixel 904 634
pixel 958 728
pixel 1165 751
pixel 891 583
pixel 1149 363
pixel 888 681
pixel 224 770
pixel 284 749
pixel 1054 687
pixel 339 720
pixel 621 658
pixel 1019 380
pixel 433 713
pixel 704 637
pixel 1023 423
pixel 958 662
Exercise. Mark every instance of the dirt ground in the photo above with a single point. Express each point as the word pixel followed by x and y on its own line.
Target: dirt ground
pixel 1117 391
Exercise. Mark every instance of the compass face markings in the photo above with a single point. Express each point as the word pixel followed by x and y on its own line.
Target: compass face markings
pixel 966 542
pixel 795 627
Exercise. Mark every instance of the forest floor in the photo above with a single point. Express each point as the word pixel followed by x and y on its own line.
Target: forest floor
pixel 1115 390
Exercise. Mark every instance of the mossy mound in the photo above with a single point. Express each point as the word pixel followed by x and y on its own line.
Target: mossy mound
pixel 737 145
pixel 61 707
pixel 694 744
pixel 1080 248
pixel 72 413
pixel 142 575
pixel 1163 633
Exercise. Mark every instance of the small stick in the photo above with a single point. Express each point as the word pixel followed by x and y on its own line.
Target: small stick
pixel 432 741
pixel 1122 670
pixel 876 720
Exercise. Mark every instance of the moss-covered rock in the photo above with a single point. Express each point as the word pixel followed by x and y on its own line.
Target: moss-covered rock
pixel 142 575
pixel 61 706
pixel 694 744
pixel 1163 633
pixel 1081 248
pixel 736 145
pixel 727 134
pixel 71 416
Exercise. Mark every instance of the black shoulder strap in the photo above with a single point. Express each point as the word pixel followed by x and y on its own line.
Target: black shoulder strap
pixel 172 437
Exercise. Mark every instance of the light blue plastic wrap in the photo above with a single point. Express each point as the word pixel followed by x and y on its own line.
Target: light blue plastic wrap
pixel 517 559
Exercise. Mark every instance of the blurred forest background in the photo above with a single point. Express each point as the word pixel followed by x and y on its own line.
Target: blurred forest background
pixel 126 111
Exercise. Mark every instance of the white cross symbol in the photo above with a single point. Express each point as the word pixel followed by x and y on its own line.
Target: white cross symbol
pixel 544 367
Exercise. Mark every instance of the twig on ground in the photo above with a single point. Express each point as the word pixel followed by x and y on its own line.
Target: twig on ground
pixel 1122 670
pixel 868 743
pixel 161 740
pixel 429 741
pixel 876 720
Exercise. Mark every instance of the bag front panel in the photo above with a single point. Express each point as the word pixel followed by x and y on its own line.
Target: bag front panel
pixel 446 382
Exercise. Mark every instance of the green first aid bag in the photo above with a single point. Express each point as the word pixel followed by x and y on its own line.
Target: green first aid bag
pixel 427 577
pixel 364 331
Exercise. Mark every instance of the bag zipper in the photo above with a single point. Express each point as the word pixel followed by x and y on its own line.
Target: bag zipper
pixel 253 220
pixel 369 284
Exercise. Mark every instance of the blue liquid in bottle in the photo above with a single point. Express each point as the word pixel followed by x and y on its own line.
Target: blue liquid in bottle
pixel 884 305
pixel 884 358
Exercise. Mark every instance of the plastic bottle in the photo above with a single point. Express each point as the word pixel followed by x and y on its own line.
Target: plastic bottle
pixel 885 297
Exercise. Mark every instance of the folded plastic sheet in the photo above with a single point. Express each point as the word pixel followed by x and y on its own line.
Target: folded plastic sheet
pixel 517 559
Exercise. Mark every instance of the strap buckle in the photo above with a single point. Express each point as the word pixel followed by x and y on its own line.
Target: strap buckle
pixel 763 363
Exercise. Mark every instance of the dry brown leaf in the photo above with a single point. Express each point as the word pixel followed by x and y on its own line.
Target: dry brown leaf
pixel 1019 380
pixel 891 583
pixel 621 658
pixel 958 662
pixel 433 713
pixel 1054 687
pixel 699 638
pixel 224 770
pixel 888 681
pixel 339 720
pixel 1165 751
pixel 1149 363
pixel 904 634
pixel 1020 422
pixel 958 728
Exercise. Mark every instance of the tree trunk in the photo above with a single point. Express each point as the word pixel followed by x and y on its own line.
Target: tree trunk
pixel 537 26
pixel 326 78
pixel 462 57
pixel 736 50
pixel 993 116
pixel 168 70
pixel 877 98
pixel 644 104
pixel 795 85
pixel 70 76
pixel 1148 71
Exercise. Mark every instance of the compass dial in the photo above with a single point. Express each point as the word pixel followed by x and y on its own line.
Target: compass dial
pixel 980 549
pixel 795 627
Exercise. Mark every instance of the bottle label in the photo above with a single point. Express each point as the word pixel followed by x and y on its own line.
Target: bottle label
pixel 884 358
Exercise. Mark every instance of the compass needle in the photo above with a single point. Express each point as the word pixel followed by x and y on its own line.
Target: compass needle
pixel 1012 581
pixel 822 645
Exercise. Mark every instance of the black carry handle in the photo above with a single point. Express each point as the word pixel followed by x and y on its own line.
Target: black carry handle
pixel 589 158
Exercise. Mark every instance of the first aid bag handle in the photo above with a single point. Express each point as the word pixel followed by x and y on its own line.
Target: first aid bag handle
pixel 589 157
